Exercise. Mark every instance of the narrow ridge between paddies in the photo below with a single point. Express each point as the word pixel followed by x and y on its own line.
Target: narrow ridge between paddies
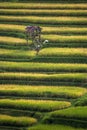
pixel 10 5
pixel 23 91
pixel 6 66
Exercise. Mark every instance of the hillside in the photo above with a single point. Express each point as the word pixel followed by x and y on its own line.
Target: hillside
pixel 49 90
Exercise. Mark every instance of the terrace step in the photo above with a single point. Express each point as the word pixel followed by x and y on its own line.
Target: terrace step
pixel 41 92
pixel 45 20
pixel 77 79
pixel 37 67
pixel 8 5
pixel 6 120
pixel 45 29
pixel 32 105
pixel 74 116
pixel 38 12
pixel 67 55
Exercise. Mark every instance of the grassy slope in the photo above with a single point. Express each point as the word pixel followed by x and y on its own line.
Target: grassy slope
pixel 54 34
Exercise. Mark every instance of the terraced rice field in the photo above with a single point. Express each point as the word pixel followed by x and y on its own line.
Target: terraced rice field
pixel 48 90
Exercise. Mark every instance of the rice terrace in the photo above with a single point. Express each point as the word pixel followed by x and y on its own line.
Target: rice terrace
pixel 43 64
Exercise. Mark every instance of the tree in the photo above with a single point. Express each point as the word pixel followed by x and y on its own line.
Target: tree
pixel 33 33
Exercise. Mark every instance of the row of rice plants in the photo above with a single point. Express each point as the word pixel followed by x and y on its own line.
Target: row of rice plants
pixel 53 126
pixel 17 53
pixel 30 56
pixel 45 79
pixel 33 105
pixel 39 12
pixel 47 52
pixel 41 67
pixel 41 91
pixel 9 5
pixel 63 39
pixel 52 38
pixel 45 20
pixel 63 30
pixel 51 52
pixel 24 113
pixel 6 120
pixel 54 59
pixel 13 34
pixel 12 40
pixel 59 41
pixel 76 116
pixel 45 29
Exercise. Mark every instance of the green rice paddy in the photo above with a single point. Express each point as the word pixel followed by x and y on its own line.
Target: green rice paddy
pixel 48 90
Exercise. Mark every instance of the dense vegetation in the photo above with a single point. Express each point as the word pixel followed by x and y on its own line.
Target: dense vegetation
pixel 48 90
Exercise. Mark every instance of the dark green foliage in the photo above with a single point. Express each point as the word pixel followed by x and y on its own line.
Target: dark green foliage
pixel 74 116
pixel 82 101
pixel 72 122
